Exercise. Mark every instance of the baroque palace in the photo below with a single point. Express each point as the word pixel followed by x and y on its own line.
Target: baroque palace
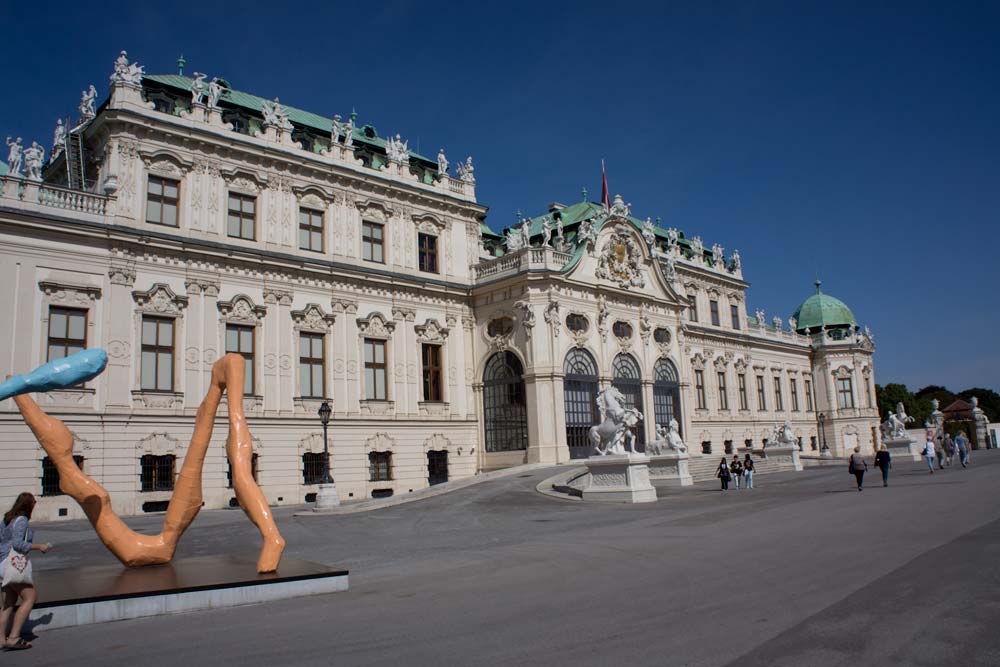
pixel 181 219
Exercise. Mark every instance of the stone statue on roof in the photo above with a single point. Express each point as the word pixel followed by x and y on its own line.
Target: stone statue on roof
pixel 15 157
pixel 776 323
pixel 87 101
pixel 526 232
pixel 397 150
pixel 335 129
pixel 697 249
pixel 649 232
pixel 514 240
pixel 547 225
pixel 34 158
pixel 58 140
pixel 718 256
pixel 349 132
pixel 760 317
pixel 466 172
pixel 734 261
pixel 275 115
pixel 214 92
pixel 126 73
pixel 793 323
pixel 198 87
pixel 442 163
pixel 586 232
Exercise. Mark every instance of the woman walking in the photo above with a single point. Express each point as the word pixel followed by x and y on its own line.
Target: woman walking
pixel 929 455
pixel 737 468
pixel 748 471
pixel 723 474
pixel 857 466
pixel 15 544
pixel 883 462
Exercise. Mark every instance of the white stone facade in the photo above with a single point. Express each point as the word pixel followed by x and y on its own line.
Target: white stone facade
pixel 98 255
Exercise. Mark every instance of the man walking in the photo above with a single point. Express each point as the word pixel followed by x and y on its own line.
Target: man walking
pixel 962 444
pixel 883 461
pixel 949 449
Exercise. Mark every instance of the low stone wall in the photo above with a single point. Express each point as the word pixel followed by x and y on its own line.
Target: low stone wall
pixel 670 469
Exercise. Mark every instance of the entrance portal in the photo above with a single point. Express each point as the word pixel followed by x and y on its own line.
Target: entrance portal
pixel 437 467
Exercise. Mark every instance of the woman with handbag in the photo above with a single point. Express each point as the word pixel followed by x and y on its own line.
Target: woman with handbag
pixel 858 466
pixel 723 474
pixel 15 570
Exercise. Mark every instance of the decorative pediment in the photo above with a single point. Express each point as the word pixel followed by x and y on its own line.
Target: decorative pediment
pixel 69 293
pixel 374 210
pixel 313 201
pixel 429 224
pixel 431 332
pixel 242 182
pixel 842 373
pixel 159 444
pixel 741 365
pixel 312 318
pixel 437 441
pixel 375 326
pixel 720 363
pixel 380 442
pixel 340 305
pixel 621 260
pixel 167 165
pixel 698 362
pixel 241 310
pixel 160 300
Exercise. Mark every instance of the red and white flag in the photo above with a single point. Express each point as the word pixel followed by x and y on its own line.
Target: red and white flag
pixel 605 197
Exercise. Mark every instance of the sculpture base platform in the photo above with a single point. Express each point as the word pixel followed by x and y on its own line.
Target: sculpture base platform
pixel 618 478
pixel 670 469
pixel 786 458
pixel 903 449
pixel 102 593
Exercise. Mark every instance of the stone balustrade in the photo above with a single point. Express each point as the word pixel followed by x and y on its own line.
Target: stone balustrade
pixel 72 200
pixel 527 259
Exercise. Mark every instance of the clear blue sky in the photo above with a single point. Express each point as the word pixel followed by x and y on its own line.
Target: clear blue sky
pixel 857 143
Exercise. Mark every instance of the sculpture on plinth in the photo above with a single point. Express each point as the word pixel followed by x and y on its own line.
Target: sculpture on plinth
pixel 34 158
pixel 734 262
pixel 442 163
pixel 214 92
pixel 58 140
pixel 546 231
pixel 893 428
pixel 668 439
pixel 649 232
pixel 131 548
pixel 466 172
pixel 349 132
pixel 697 249
pixel 718 257
pixel 198 87
pixel 126 73
pixel 783 435
pixel 88 100
pixel 514 240
pixel 15 157
pixel 397 150
pixel 275 115
pixel 615 434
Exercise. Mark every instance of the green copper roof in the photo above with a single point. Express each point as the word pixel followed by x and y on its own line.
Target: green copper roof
pixel 3 168
pixel 297 116
pixel 821 311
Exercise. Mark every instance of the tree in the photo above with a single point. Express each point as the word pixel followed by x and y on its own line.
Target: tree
pixel 989 401
pixel 888 396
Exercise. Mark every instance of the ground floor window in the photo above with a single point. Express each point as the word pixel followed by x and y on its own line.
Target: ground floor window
pixel 50 476
pixel 505 411
pixel 380 466
pixel 229 470
pixel 157 472
pixel 580 396
pixel 666 394
pixel 313 466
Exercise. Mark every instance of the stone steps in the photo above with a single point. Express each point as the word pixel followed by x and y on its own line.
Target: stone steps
pixel 702 468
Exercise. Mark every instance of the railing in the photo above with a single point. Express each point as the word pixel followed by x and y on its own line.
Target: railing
pixel 72 200
pixel 534 258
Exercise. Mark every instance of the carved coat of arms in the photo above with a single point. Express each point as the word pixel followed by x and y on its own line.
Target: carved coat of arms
pixel 620 261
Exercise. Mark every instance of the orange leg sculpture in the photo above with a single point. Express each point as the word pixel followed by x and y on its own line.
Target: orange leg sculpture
pixel 134 549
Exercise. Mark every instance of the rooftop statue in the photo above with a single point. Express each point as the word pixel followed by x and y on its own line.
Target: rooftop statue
pixel 15 157
pixel 442 163
pixel 275 115
pixel 760 317
pixel 649 232
pixel 672 236
pixel 126 73
pixel 697 249
pixel 718 257
pixel 514 240
pixel 397 150
pixel 734 261
pixel 615 434
pixel 336 127
pixel 34 158
pixel 668 439
pixel 547 225
pixel 349 132
pixel 58 140
pixel 586 233
pixel 793 323
pixel 526 232
pixel 466 172
pixel 131 548
pixel 87 102
pixel 776 322
pixel 198 87
pixel 620 208
pixel 214 92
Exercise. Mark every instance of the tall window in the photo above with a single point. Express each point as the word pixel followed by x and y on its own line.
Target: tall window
pixel 242 220
pixel 699 386
pixel 310 230
pixel 761 396
pixel 162 195
pixel 428 252
pixel 312 365
pixel 778 402
pixel 809 395
pixel 741 381
pixel 240 339
pixel 734 312
pixel 157 472
pixel 713 306
pixel 693 310
pixel 845 393
pixel 723 394
pixel 793 389
pixel 380 466
pixel 372 238
pixel 157 364
pixel 505 412
pixel 431 355
pixel 375 380
pixel 50 475
pixel 67 332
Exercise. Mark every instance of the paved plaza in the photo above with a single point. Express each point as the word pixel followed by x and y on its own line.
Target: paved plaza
pixel 803 570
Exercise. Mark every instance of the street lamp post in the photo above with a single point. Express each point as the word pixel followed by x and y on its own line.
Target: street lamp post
pixel 327 496
pixel 825 450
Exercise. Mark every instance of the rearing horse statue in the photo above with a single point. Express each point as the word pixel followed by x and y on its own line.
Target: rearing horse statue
pixel 615 434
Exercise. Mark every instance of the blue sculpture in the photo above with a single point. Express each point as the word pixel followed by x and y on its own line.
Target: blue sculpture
pixel 59 374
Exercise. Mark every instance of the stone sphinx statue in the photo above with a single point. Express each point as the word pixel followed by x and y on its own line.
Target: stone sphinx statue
pixel 783 436
pixel 668 439
pixel 615 434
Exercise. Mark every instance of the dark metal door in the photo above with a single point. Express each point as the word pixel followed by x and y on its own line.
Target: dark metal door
pixel 437 467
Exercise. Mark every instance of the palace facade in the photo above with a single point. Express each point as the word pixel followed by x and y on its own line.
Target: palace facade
pixel 183 219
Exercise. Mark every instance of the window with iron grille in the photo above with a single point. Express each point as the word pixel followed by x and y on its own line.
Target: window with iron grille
pixel 380 466
pixel 741 381
pixel 761 396
pixel 845 393
pixel 580 396
pixel 157 362
pixel 723 394
pixel 157 472
pixel 372 242
pixel 734 311
pixel 505 412
pixel 793 392
pixel 809 395
pixel 240 339
pixel 242 220
pixel 778 403
pixel 431 355
pixel 666 394
pixel 699 387
pixel 50 475
pixel 310 230
pixel 713 307
pixel 162 195
pixel 312 365
pixel 229 470
pixel 627 378
pixel 375 376
pixel 313 465
pixel 67 332
pixel 427 252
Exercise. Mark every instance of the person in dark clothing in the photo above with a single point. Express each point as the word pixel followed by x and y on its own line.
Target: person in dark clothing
pixel 857 467
pixel 748 471
pixel 723 474
pixel 883 462
pixel 737 470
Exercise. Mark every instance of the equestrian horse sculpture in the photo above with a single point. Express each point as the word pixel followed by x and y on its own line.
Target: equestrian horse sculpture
pixel 616 432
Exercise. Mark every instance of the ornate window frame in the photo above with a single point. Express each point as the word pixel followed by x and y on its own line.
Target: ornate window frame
pixel 63 294
pixel 432 333
pixel 161 301
pixel 242 310
pixel 376 326
pixel 312 319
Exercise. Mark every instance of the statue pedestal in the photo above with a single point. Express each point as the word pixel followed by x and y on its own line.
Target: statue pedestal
pixel 903 449
pixel 619 478
pixel 327 497
pixel 671 468
pixel 786 457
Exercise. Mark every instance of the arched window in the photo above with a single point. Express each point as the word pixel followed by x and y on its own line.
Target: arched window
pixel 628 380
pixel 666 394
pixel 505 412
pixel 580 395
